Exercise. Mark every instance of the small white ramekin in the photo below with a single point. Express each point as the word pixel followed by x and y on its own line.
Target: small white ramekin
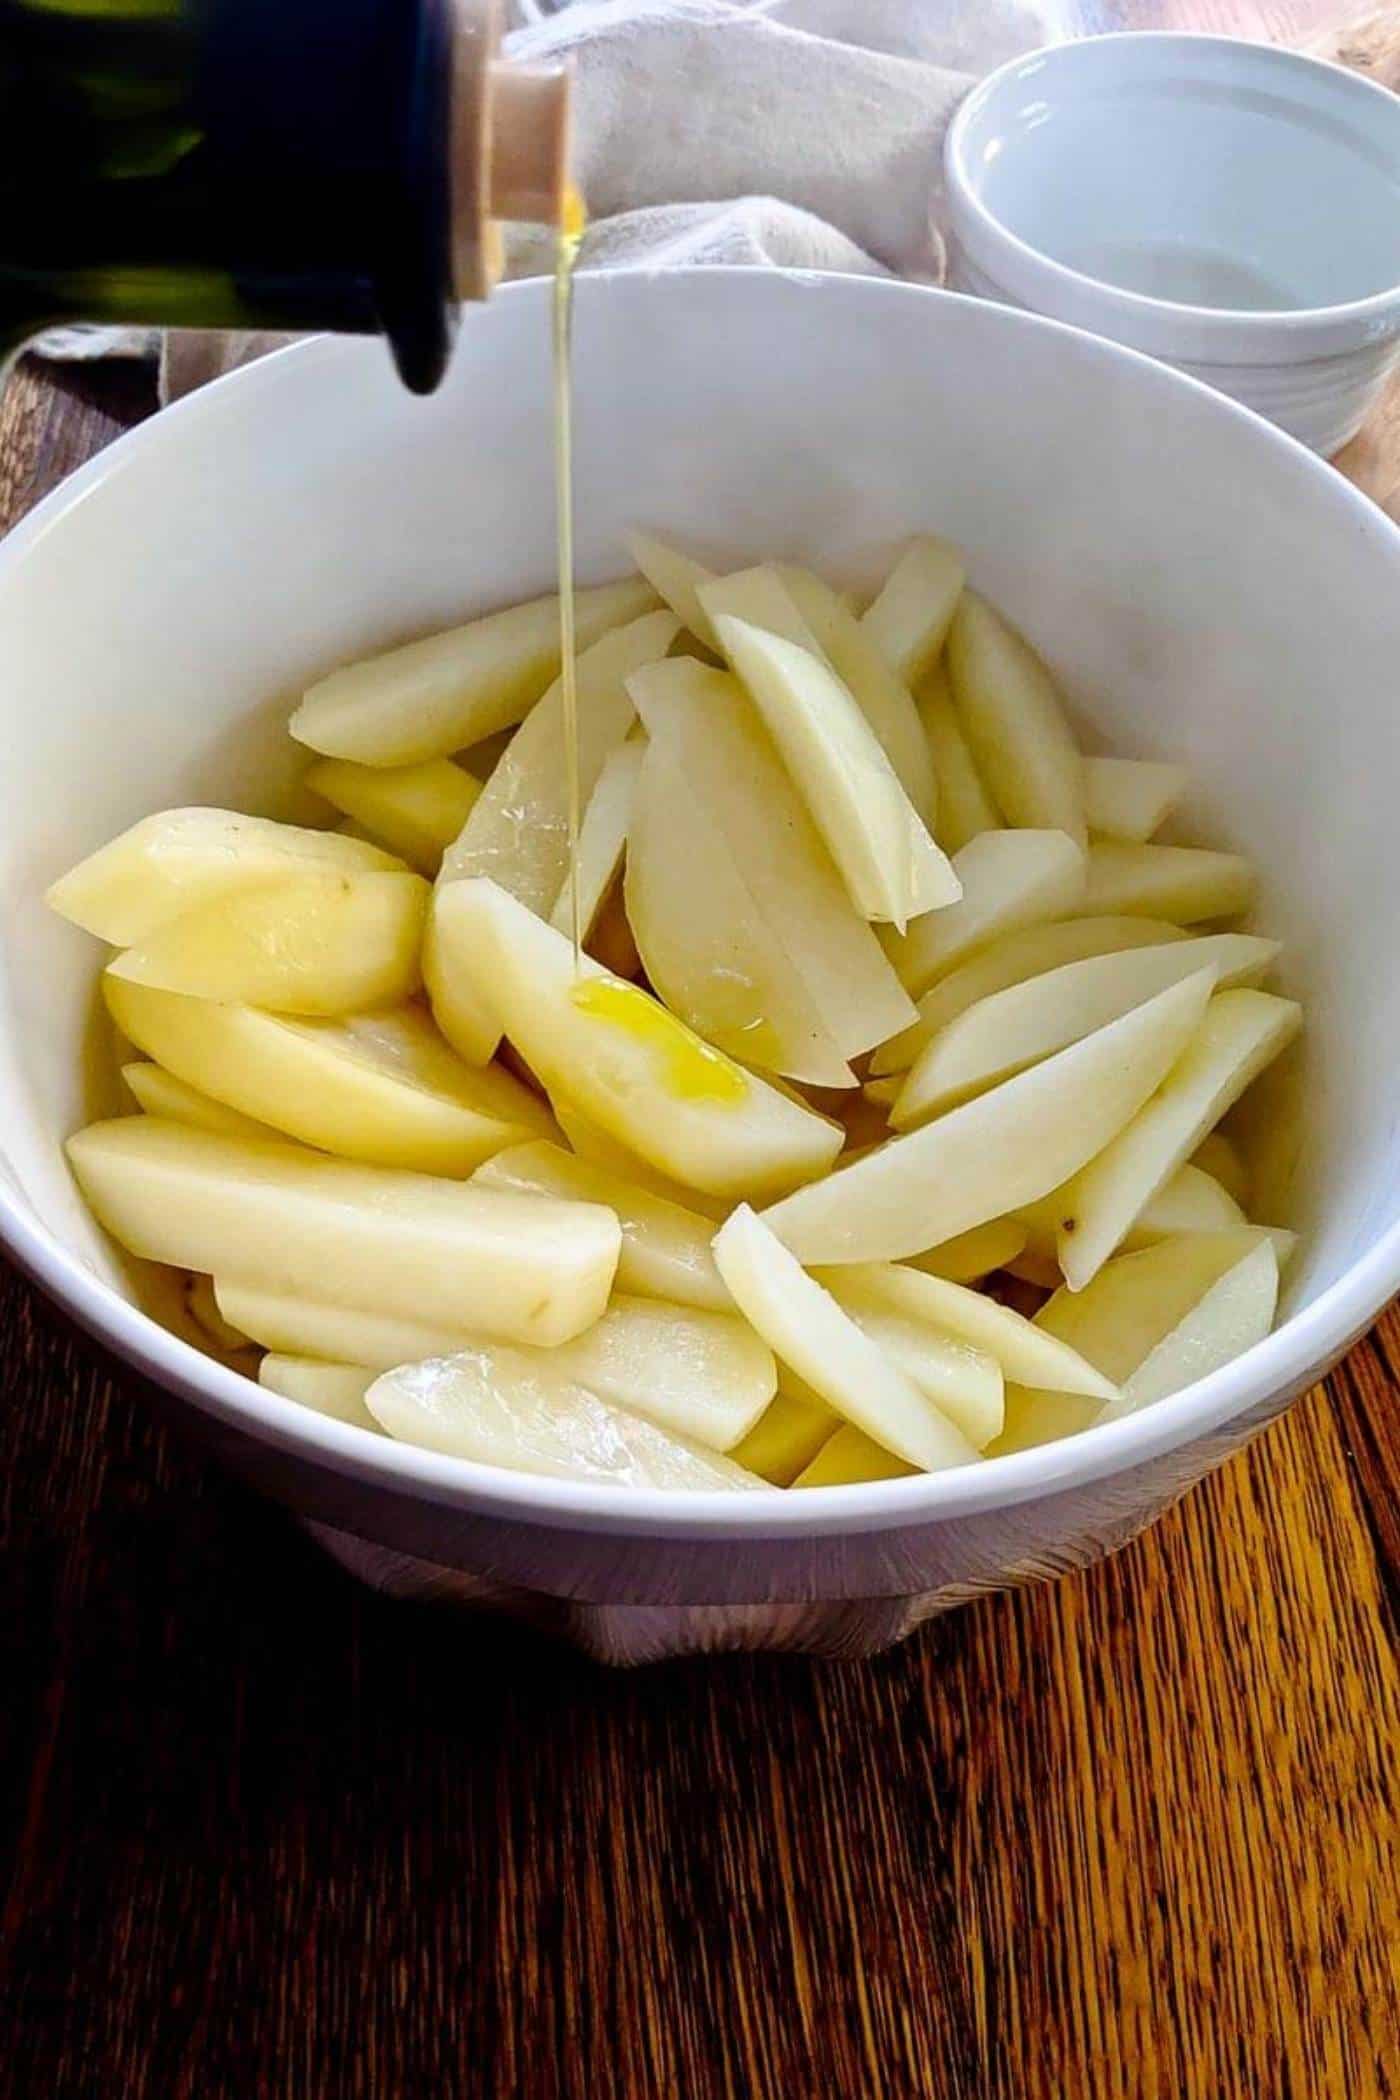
pixel 1227 207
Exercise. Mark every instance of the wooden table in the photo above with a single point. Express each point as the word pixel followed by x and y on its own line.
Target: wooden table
pixel 268 1837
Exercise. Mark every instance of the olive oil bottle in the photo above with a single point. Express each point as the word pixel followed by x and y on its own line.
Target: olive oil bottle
pixel 266 164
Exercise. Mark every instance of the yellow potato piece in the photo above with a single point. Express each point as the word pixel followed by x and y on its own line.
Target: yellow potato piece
pixel 665 1244
pixel 524 1268
pixel 975 1254
pixel 602 838
pixel 1191 1201
pixel 964 1383
pixel 416 811
pixel 1130 798
pixel 617 1054
pixel 850 1456
pixel 676 577
pixel 994 1154
pixel 708 950
pixel 1014 721
pixel 1184 883
pixel 438 695
pixel 1239 1034
pixel 506 1407
pixel 910 618
pixel 1008 880
pixel 788 1434
pixel 813 1336
pixel 1219 1156
pixel 315 944
pixel 203 1309
pixel 333 1389
pixel 598 1149
pixel 709 726
pixel 383 1088
pixel 1234 1314
pixel 160 1093
pixel 168 864
pixel 964 806
pixel 704 1375
pixel 317 1328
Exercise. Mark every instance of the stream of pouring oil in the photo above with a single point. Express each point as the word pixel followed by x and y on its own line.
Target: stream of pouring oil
pixel 570 234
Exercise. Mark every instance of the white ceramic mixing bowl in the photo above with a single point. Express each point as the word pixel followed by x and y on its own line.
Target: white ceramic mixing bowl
pixel 1229 207
pixel 1204 587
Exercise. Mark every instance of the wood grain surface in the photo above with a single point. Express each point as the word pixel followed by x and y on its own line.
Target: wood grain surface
pixel 268 1837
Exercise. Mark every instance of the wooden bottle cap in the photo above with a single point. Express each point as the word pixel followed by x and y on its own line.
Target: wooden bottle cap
pixel 510 146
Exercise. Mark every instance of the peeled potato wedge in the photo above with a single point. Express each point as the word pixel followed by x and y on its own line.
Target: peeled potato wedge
pixel 1005 1149
pixel 1014 1029
pixel 964 1383
pixel 415 811
pixel 964 806
pixel 1192 1201
pixel 168 864
pixel 1014 721
pixel 878 687
pixel 203 1309
pixel 523 1268
pixel 617 1054
pixel 1234 1314
pixel 890 865
pixel 597 1148
pixel 970 1256
pixel 1008 880
pixel 602 838
pixel 502 1407
pixel 314 945
pixel 1130 798
pixel 333 1389
pixel 707 723
pixel 704 1375
pixel 438 695
pixel 808 1330
pixel 788 1434
pixel 665 1246
pixel 318 1329
pixel 381 1088
pixel 707 947
pixel 160 1093
pixel 1015 958
pixel 1239 1034
pixel 1218 1156
pixel 1182 883
pixel 909 619
pixel 676 577
pixel 849 1457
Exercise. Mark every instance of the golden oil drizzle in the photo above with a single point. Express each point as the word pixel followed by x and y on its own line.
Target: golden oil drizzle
pixel 694 1070
pixel 569 235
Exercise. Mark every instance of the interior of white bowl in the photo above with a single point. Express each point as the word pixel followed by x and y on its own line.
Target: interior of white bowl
pixel 1205 589
pixel 1198 170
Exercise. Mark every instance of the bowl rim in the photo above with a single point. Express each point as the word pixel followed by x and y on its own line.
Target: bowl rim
pixel 1295 1353
pixel 1251 332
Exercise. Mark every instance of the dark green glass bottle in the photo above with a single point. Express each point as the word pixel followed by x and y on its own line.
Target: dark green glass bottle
pixel 256 164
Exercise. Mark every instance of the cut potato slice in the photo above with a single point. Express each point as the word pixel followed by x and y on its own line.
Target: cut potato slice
pixel 707 948
pixel 598 1149
pixel 518 833
pixel 1240 1033
pixel 461 1004
pixel 333 1389
pixel 808 1330
pixel 704 1375
pixel 1008 880
pixel 160 1093
pixel 1015 958
pixel 382 1088
pixel 1014 1029
pixel 1185 883
pixel 1014 721
pixel 602 838
pixel 1130 798
pixel 1024 1351
pixel 964 1383
pixel 616 1053
pixel 665 1245
pixel 964 806
pixel 313 1327
pixel 1136 1300
pixel 524 1268
pixel 850 1457
pixel 788 1434
pixel 1234 1314
pixel 314 944
pixel 707 723
pixel 610 942
pixel 166 865
pixel 1004 1149
pixel 909 620
pixel 972 1255
pixel 1218 1156
pixel 676 577
pixel 203 1309
pixel 890 865
pixel 436 696
pixel 502 1407
pixel 874 683
pixel 416 811
pixel 1035 1416
pixel 1190 1202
